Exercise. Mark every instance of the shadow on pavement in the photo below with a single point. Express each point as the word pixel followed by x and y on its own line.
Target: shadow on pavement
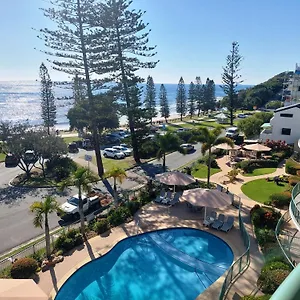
pixel 151 170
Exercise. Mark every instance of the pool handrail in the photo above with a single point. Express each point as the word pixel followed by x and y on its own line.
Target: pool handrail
pixel 241 262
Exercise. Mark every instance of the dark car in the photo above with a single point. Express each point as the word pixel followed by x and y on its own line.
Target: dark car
pixel 187 147
pixel 11 161
pixel 72 147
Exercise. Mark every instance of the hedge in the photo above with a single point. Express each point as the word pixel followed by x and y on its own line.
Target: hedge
pixel 249 165
pixel 101 226
pixel 264 297
pixel 24 268
pixel 68 240
pixel 292 167
pixel 270 280
pixel 280 200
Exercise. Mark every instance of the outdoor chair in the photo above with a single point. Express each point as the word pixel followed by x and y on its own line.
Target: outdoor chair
pixel 210 219
pixel 228 224
pixel 167 198
pixel 175 199
pixel 217 224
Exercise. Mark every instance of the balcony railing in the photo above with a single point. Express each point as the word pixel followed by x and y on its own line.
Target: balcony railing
pixel 294 209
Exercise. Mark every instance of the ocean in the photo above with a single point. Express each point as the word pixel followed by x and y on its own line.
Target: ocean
pixel 20 102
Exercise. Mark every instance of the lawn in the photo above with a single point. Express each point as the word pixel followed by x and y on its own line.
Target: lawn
pixel 260 189
pixel 200 171
pixel 108 163
pixel 70 139
pixel 260 171
pixel 2 157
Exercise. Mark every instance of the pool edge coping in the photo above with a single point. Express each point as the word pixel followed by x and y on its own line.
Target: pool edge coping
pixel 87 260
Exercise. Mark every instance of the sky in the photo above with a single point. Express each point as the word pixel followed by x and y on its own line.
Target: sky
pixel 193 38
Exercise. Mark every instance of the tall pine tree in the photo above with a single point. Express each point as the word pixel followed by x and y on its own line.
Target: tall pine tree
pixel 181 99
pixel 47 99
pixel 150 101
pixel 79 89
pixel 231 78
pixel 126 38
pixel 192 100
pixel 164 104
pixel 199 94
pixel 75 50
pixel 209 95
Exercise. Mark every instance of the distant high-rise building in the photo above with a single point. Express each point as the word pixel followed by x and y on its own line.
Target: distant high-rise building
pixel 291 88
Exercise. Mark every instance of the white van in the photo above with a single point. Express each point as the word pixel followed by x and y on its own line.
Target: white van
pixel 232 132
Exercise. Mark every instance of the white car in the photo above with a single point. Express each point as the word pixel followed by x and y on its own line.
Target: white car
pixel 113 153
pixel 125 150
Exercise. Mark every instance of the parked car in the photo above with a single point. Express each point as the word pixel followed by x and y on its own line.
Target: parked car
pixel 180 130
pixel 113 153
pixel 187 147
pixel 241 116
pixel 11 161
pixel 29 157
pixel 232 132
pixel 87 144
pixel 112 138
pixel 125 150
pixel 72 148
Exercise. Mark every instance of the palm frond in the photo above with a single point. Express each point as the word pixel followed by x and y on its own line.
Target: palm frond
pixel 224 140
pixel 217 131
pixel 205 147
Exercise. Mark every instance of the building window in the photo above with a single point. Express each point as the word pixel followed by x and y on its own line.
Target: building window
pixel 286 115
pixel 286 131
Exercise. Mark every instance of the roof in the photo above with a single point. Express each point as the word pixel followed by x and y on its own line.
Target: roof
pixel 287 107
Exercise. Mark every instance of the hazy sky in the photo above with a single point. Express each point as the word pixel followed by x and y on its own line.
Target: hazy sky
pixel 193 38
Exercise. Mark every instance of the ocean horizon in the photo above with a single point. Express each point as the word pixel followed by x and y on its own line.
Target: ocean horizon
pixel 20 101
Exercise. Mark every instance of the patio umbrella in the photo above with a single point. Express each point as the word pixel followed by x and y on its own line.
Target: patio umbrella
pixel 18 289
pixel 225 146
pixel 175 178
pixel 257 147
pixel 207 198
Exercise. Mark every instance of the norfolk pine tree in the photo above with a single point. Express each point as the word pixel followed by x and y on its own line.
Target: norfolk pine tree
pixel 199 95
pixel 74 48
pixel 47 99
pixel 231 77
pixel 164 105
pixel 150 102
pixel 181 99
pixel 209 93
pixel 126 38
pixel 192 100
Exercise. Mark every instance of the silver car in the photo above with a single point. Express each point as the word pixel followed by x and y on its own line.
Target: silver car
pixel 113 153
pixel 125 150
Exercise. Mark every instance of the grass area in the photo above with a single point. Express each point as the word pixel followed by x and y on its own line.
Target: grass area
pixel 200 171
pixel 260 171
pixel 2 157
pixel 70 139
pixel 108 163
pixel 260 190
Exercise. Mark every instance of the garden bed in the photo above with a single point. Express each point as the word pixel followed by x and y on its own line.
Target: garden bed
pixel 35 180
pixel 260 190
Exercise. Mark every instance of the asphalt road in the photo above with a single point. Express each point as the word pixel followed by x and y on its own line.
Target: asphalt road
pixel 15 219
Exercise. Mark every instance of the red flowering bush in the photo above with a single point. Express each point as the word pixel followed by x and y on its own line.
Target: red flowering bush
pixel 277 145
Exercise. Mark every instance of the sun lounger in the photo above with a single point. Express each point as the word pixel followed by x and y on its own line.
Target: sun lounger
pixel 160 197
pixel 228 224
pixel 175 199
pixel 167 198
pixel 210 219
pixel 219 222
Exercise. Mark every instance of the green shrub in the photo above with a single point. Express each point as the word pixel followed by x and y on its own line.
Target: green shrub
pixel 144 197
pixel 133 206
pixel 265 217
pixel 249 165
pixel 274 265
pixel 213 162
pixel 263 297
pixel 5 273
pixel 275 255
pixel 254 208
pixel 60 167
pixel 270 280
pixel 292 167
pixel 68 240
pixel 293 180
pixel 101 226
pixel 39 255
pixel 118 216
pixel 265 236
pixel 24 268
pixel 280 199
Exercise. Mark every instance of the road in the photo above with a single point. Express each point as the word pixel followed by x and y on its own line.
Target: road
pixel 16 220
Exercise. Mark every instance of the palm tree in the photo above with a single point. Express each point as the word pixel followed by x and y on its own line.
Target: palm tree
pixel 42 209
pixel 166 143
pixel 118 174
pixel 211 138
pixel 81 178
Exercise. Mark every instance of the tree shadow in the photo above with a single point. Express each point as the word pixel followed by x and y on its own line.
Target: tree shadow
pixel 54 279
pixel 89 249
pixel 152 169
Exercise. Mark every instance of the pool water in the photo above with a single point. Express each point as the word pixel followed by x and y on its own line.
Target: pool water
pixel 177 263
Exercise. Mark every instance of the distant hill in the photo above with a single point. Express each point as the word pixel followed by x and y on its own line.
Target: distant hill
pixel 260 94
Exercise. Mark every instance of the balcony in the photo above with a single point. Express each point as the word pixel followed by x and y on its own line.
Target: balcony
pixel 294 208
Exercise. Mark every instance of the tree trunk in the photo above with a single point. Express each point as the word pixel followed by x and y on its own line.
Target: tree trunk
pixel 208 167
pixel 134 142
pixel 181 117
pixel 90 95
pixel 115 191
pixel 47 237
pixel 81 214
pixel 164 161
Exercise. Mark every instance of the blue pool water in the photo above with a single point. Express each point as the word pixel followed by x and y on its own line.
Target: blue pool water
pixel 178 263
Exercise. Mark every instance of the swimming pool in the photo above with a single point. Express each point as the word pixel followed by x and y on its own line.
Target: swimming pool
pixel 177 263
